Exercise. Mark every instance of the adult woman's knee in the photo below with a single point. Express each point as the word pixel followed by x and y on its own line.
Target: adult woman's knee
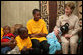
pixel 65 43
pixel 72 43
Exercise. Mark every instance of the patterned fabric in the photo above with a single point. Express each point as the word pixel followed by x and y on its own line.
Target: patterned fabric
pixel 7 37
pixel 54 44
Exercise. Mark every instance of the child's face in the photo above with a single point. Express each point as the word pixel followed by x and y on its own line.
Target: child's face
pixel 24 34
pixel 37 16
pixel 56 31
pixel 6 30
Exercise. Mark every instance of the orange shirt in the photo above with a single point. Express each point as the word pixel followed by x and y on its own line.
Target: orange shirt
pixel 21 43
pixel 37 27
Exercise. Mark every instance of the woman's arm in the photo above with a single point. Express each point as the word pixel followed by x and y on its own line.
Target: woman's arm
pixel 76 27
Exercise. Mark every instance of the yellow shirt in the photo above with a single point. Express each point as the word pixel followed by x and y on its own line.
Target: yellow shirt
pixel 1 32
pixel 21 43
pixel 35 27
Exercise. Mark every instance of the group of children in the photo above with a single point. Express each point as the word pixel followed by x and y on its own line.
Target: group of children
pixel 24 38
pixel 23 41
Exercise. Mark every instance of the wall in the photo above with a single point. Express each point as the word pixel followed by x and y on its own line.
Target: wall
pixel 17 12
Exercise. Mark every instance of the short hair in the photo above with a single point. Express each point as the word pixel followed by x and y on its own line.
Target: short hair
pixel 71 5
pixel 35 10
pixel 22 29
pixel 7 27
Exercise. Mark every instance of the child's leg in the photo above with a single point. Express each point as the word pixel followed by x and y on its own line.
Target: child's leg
pixel 45 47
pixel 52 49
pixel 36 46
pixel 4 50
pixel 58 48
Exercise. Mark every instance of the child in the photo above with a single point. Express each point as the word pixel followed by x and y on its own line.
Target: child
pixel 54 39
pixel 37 30
pixel 7 37
pixel 23 41
pixel 16 27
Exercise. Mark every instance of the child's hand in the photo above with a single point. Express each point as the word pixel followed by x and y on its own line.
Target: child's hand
pixel 12 43
pixel 12 39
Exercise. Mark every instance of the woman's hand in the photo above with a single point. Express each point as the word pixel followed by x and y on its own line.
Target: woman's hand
pixel 67 35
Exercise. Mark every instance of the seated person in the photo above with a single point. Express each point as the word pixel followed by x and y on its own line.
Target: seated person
pixel 24 42
pixel 38 31
pixel 16 27
pixel 7 37
pixel 54 39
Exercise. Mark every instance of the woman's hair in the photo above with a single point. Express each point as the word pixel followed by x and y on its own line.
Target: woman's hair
pixel 71 5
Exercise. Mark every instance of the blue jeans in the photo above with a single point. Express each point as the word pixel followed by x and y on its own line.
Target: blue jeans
pixel 4 50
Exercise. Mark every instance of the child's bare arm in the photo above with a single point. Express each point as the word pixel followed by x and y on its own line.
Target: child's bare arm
pixel 59 39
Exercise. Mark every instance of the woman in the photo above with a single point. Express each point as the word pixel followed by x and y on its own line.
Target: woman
pixel 71 38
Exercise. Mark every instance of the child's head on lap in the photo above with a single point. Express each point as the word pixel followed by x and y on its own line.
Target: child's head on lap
pixel 6 29
pixel 23 32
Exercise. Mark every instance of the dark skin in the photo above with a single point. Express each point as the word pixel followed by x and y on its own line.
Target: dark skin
pixel 24 35
pixel 37 16
pixel 6 30
pixel 12 42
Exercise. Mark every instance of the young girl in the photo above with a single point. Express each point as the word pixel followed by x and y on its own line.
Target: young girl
pixel 54 39
pixel 7 37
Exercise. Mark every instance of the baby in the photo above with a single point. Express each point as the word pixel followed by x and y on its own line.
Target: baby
pixel 53 39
